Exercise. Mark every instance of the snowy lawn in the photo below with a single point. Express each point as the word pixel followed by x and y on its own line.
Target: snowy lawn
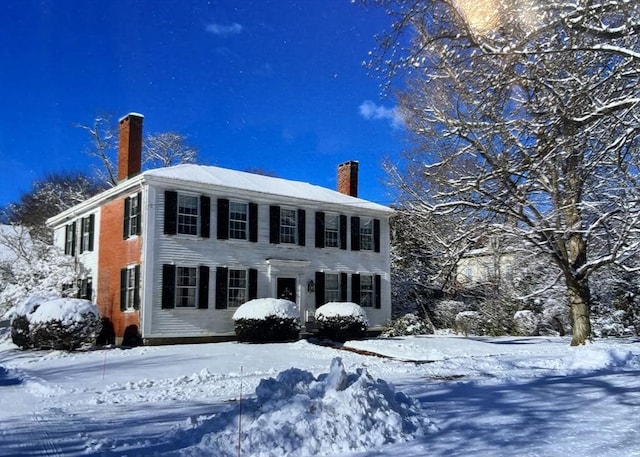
pixel 453 396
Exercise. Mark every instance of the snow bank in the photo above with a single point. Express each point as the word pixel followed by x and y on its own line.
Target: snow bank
pixel 261 308
pixel 297 414
pixel 334 309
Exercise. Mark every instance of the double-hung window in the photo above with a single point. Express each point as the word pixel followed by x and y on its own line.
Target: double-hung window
pixel 186 287
pixel 332 230
pixel 332 287
pixel 86 233
pixel 288 225
pixel 238 220
pixel 129 288
pixel 85 288
pixel 237 288
pixel 366 291
pixel 366 234
pixel 188 210
pixel 132 216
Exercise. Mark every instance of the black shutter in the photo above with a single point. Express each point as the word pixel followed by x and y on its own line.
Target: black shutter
pixel 343 287
pixel 253 222
pixel 92 224
pixel 319 289
pixel 319 229
pixel 136 295
pixel 125 226
pixel 253 283
pixel 343 232
pixel 376 291
pixel 138 214
pixel 274 224
pixel 66 240
pixel 355 288
pixel 205 216
pixel 221 287
pixel 302 227
pixel 168 286
pixel 83 222
pixel 376 235
pixel 355 233
pixel 203 288
pixel 123 289
pixel 73 239
pixel 223 219
pixel 170 212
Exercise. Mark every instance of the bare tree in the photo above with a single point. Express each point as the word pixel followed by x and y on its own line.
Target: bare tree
pixel 168 149
pixel 104 140
pixel 525 115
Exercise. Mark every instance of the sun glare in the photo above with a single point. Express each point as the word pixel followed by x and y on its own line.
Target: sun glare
pixel 481 15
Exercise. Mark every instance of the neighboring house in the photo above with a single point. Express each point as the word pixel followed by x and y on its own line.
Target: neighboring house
pixel 172 252
pixel 488 265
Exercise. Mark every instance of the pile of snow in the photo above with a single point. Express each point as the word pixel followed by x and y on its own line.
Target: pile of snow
pixel 342 309
pixel 67 311
pixel 297 414
pixel 261 308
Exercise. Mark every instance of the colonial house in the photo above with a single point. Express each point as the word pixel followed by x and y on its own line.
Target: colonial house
pixel 172 252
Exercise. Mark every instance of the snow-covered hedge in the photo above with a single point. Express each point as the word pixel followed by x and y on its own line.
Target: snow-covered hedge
pixel 469 323
pixel 409 324
pixel 341 321
pixel 445 312
pixel 58 323
pixel 526 322
pixel 267 320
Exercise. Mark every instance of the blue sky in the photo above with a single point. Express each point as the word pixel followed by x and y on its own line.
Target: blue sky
pixel 276 85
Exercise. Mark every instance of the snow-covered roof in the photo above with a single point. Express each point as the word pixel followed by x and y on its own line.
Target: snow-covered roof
pixel 223 177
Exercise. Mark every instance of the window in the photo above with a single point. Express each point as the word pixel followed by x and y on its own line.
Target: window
pixel 366 291
pixel 366 234
pixel 186 287
pixel 288 225
pixel 85 289
pixel 86 233
pixel 188 214
pixel 129 288
pixel 131 216
pixel 332 230
pixel 237 288
pixel 70 239
pixel 331 287
pixel 238 220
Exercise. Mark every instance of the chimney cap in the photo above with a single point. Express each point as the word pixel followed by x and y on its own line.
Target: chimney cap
pixel 349 162
pixel 131 115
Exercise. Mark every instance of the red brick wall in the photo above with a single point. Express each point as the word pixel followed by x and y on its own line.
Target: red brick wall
pixel 115 253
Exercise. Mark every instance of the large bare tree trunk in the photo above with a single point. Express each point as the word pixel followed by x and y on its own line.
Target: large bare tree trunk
pixel 579 303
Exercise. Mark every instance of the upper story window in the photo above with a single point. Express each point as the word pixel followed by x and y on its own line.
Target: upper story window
pixel 186 214
pixel 332 230
pixel 188 209
pixel 366 234
pixel 70 239
pixel 238 220
pixel 132 216
pixel 288 225
pixel 87 232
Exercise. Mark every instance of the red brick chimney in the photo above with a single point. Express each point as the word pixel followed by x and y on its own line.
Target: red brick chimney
pixel 348 178
pixel 130 146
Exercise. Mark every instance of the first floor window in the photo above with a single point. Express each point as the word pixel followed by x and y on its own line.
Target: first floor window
pixel 366 291
pixel 85 288
pixel 129 288
pixel 332 287
pixel 237 289
pixel 186 287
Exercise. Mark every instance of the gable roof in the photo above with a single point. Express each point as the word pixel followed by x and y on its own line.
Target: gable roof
pixel 224 177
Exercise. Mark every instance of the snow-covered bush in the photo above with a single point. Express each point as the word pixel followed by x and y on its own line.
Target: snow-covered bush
pixel 409 324
pixel 341 321
pixel 469 323
pixel 445 312
pixel 59 323
pixel 526 322
pixel 267 320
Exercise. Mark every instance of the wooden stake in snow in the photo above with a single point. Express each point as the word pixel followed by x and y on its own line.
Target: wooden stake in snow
pixel 240 416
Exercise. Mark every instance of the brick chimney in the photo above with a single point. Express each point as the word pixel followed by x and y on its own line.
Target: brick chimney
pixel 348 178
pixel 130 146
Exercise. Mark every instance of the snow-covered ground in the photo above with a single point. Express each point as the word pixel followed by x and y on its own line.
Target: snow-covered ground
pixel 453 396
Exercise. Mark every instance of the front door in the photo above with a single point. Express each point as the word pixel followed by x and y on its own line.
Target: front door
pixel 286 289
